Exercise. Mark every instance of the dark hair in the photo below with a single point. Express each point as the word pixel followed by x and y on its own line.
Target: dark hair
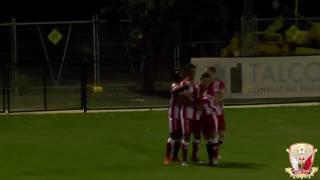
pixel 177 76
pixel 205 75
pixel 212 68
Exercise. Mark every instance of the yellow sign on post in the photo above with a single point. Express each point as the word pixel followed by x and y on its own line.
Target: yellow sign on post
pixel 55 36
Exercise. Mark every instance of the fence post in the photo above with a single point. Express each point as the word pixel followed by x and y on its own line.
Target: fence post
pixel 83 87
pixel 14 52
pixel 96 49
pixel 94 45
pixel 45 86
pixel 7 86
pixel 3 90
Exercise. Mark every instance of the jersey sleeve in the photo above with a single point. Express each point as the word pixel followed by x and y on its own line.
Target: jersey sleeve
pixel 210 91
pixel 221 86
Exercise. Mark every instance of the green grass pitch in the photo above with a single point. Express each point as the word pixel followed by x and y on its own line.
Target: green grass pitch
pixel 131 145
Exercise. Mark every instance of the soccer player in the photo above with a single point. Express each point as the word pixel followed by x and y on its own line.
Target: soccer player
pixel 189 114
pixel 174 140
pixel 209 119
pixel 217 89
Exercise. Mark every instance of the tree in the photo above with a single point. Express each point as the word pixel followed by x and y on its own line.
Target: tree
pixel 149 20
pixel 153 19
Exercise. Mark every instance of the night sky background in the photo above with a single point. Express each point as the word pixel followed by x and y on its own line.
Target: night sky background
pixel 63 10
pixel 206 13
pixel 189 23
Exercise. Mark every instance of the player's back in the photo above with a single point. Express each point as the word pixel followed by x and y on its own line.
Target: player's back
pixel 173 95
pixel 218 88
pixel 191 93
pixel 174 103
pixel 191 97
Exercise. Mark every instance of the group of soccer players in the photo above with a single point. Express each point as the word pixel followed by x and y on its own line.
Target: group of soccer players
pixel 195 110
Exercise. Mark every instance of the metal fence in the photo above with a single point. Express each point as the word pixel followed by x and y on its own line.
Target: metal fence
pixel 56 65
pixel 89 64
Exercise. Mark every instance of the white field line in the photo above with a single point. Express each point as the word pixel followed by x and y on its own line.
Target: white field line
pixel 273 105
pixel 161 109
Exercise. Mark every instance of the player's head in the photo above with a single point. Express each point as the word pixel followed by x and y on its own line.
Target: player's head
pixel 177 76
pixel 212 71
pixel 190 70
pixel 205 80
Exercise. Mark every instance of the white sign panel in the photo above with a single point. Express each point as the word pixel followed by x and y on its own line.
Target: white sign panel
pixel 266 77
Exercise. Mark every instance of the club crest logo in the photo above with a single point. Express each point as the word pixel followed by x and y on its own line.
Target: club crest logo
pixel 301 156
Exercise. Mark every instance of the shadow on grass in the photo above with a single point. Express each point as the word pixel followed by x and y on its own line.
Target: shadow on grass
pixel 240 165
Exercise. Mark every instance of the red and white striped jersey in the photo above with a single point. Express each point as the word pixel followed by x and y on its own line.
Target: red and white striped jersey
pixel 218 87
pixel 188 110
pixel 207 100
pixel 208 105
pixel 174 105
